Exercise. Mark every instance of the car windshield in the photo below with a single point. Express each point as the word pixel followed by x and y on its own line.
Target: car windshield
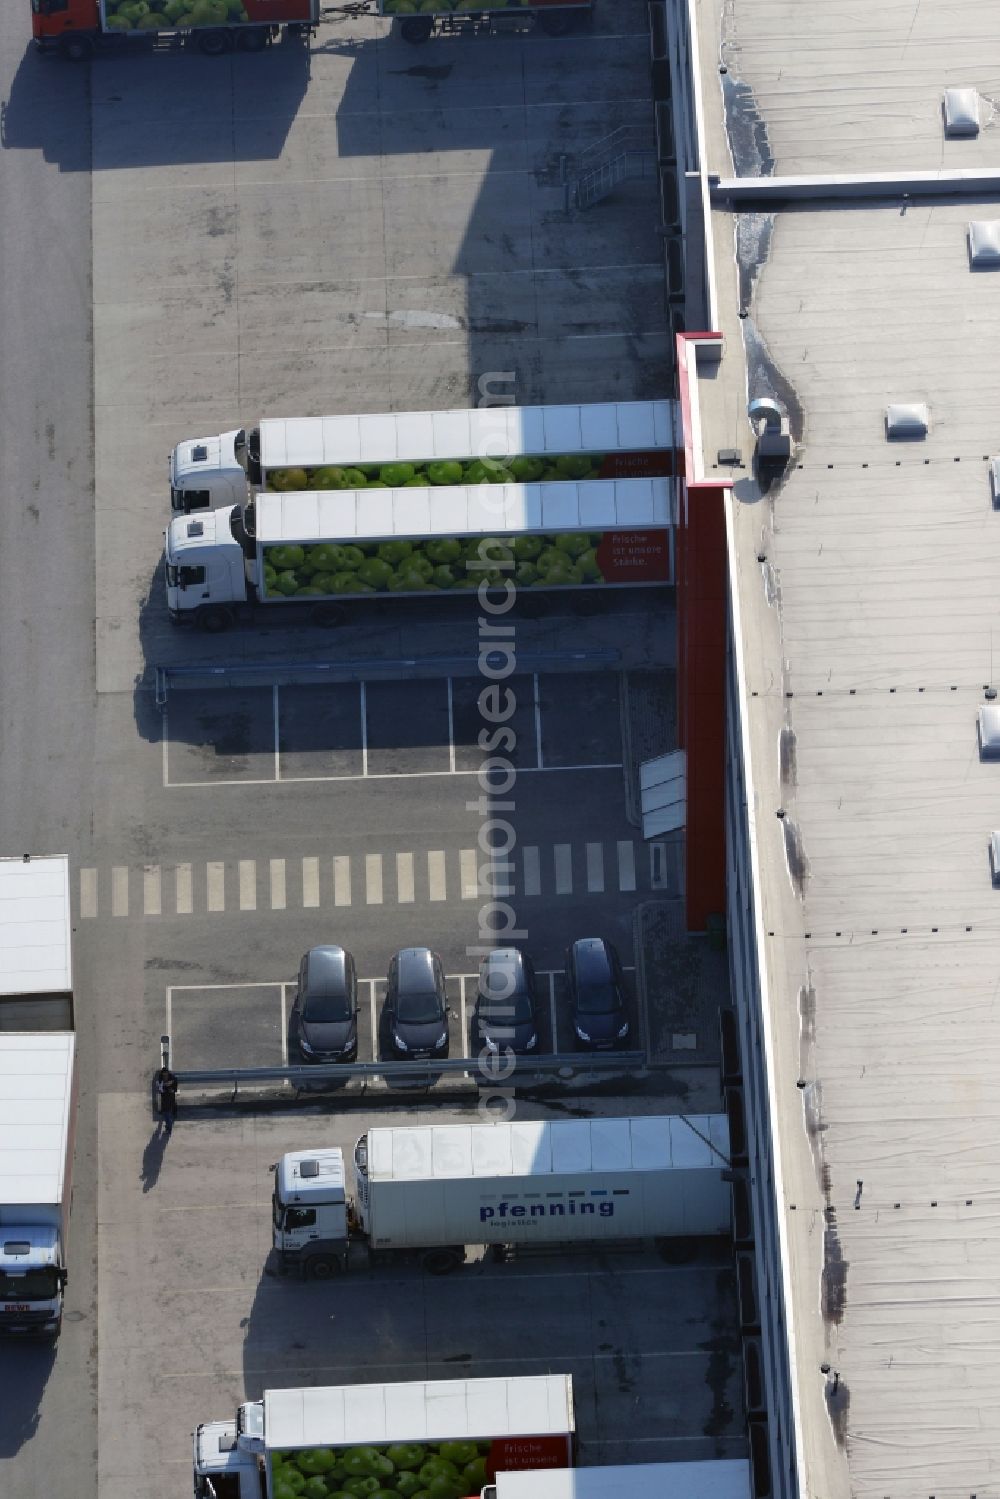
pixel 512 1009
pixel 419 1009
pixel 596 999
pixel 34 1285
pixel 324 1009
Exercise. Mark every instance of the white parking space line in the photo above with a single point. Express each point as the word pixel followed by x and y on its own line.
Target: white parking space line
pixel 532 866
pixel 451 726
pixel 284 1028
pixel 552 1011
pixel 342 880
pixel 468 864
pixel 165 745
pixel 437 878
pixel 248 884
pixel 373 879
pixel 151 899
pixel 626 866
pixel 363 704
pixel 595 867
pixel 119 890
pixel 538 722
pixel 461 1007
pixel 563 855
pixel 276 709
pixel 310 882
pixel 183 890
pixel 404 878
pixel 277 884
pixel 88 893
pixel 215 885
pixel 371 1001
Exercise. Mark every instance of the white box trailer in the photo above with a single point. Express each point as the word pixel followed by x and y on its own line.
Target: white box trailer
pixel 37 1091
pixel 318 550
pixel 714 1478
pixel 435 1189
pixel 461 1430
pixel 495 444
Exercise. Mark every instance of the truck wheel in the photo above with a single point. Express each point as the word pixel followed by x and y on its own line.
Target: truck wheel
pixel 441 1261
pixel 322 1267
pixel 557 24
pixel 416 28
pixel 77 48
pixel 214 621
pixel 214 43
pixel 254 39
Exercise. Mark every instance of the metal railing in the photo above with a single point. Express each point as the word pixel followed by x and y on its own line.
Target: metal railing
pixel 627 155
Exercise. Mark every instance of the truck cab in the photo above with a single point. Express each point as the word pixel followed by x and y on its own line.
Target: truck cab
pixel 228 1460
pixel 32 1277
pixel 310 1212
pixel 205 564
pixel 207 472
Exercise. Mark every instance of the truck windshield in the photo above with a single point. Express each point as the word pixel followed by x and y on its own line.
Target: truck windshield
pixel 33 1285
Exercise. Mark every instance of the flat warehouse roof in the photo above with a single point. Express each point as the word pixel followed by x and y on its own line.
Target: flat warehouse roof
pixel 650 1143
pixel 463 510
pixel 491 431
pixel 35 942
pixel 419 1411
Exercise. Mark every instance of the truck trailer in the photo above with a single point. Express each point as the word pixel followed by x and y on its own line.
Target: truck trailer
pixel 418 19
pixel 433 1190
pixel 712 1478
pixel 449 1438
pixel 423 449
pixel 78 28
pixel 37 1092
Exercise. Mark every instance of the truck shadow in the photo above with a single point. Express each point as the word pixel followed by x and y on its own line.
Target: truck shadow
pixel 24 1371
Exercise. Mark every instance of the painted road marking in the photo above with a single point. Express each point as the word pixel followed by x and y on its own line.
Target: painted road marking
pixel 404 878
pixel 373 879
pixel 277 884
pixel 151 890
pixel 626 866
pixel 215 886
pixel 341 880
pixel 310 882
pixel 532 866
pixel 595 867
pixel 183 890
pixel 468 863
pixel 88 893
pixel 119 890
pixel 437 879
pixel 248 884
pixel 564 868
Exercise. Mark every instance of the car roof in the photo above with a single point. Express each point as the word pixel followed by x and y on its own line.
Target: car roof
pixel 503 957
pixel 416 968
pixel 326 971
pixel 592 959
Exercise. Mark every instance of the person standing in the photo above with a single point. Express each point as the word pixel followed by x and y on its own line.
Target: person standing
pixel 166 1097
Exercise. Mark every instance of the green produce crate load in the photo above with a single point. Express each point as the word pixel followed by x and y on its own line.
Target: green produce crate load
pixel 524 469
pixel 394 1470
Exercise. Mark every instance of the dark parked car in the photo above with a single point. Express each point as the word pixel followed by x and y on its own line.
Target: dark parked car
pixel 416 1006
pixel 505 1002
pixel 595 987
pixel 325 1012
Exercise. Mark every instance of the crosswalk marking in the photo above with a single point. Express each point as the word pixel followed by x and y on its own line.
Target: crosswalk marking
pixel 404 878
pixel 215 886
pixel 437 882
pixel 467 874
pixel 468 862
pixel 183 890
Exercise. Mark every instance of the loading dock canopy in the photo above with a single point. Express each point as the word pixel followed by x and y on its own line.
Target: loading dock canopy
pixel 463 510
pixel 491 432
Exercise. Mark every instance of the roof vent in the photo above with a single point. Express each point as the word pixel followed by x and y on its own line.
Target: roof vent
pixel 199 453
pixel 961 112
pixel 995 857
pixel 995 482
pixel 308 1169
pixel 196 528
pixel 905 421
pixel 989 731
pixel 768 419
pixel 984 243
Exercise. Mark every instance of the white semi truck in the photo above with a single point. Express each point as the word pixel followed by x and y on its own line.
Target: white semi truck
pixel 37 1092
pixel 447 1437
pixel 713 1478
pixel 435 1189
